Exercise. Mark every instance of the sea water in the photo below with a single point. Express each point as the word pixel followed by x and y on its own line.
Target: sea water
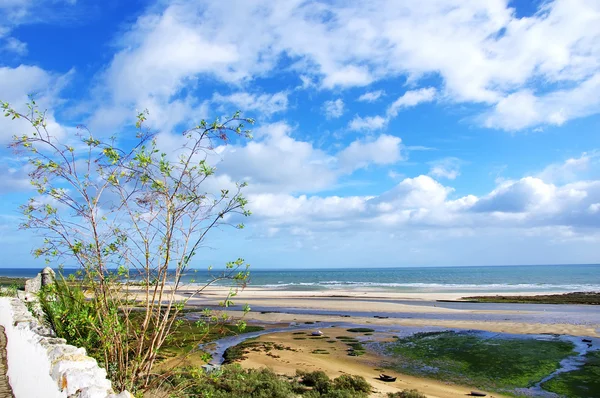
pixel 510 279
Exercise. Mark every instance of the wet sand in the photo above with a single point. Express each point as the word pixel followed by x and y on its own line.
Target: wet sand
pixel 420 309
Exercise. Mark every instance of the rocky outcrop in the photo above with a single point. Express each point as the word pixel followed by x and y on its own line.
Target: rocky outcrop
pixel 34 285
pixel 42 365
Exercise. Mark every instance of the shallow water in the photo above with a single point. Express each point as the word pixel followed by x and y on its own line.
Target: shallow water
pixel 528 313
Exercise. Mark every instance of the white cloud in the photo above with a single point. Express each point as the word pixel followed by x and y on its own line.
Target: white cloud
pixel 448 168
pixel 524 109
pixel 16 46
pixel 14 179
pixel 371 96
pixel 348 76
pixel 410 99
pixel 266 104
pixel 14 13
pixel 333 109
pixel 423 204
pixel 15 86
pixel 407 100
pixel 276 162
pixel 385 150
pixel 481 51
pixel 369 123
pixel 420 148
pixel 572 169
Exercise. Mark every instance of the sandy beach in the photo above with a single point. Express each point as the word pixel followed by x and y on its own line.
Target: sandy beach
pixel 359 306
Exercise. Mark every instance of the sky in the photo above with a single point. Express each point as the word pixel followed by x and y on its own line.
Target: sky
pixel 388 133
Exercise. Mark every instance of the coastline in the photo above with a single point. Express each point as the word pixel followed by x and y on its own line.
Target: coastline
pixel 391 308
pixel 357 292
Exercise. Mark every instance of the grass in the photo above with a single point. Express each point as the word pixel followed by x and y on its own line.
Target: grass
pixel 188 335
pixel 406 394
pixel 466 358
pixel 581 383
pixel 320 351
pixel 347 339
pixel 238 352
pixel 233 381
pixel 590 298
pixel 6 281
pixel 360 330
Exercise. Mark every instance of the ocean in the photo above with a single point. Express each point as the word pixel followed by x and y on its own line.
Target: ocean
pixel 510 279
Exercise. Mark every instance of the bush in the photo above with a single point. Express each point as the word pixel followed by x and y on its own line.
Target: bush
pixel 233 381
pixel 9 291
pixel 354 383
pixel 406 394
pixel 345 386
pixel 360 330
pixel 317 379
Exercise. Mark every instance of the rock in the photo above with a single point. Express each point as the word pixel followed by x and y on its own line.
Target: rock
pixel 48 276
pixel 33 285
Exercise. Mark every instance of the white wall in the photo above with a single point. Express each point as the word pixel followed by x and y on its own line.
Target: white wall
pixel 43 366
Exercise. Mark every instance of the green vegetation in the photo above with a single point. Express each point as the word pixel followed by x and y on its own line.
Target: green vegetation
pixel 238 352
pixel 233 381
pixel 355 347
pixel 360 330
pixel 344 386
pixel 135 209
pixel 186 337
pixel 349 339
pixel 320 351
pixel 466 358
pixel 581 383
pixel 6 281
pixel 10 286
pixel 590 298
pixel 406 394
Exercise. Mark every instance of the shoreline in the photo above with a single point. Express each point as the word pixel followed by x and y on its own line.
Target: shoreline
pixel 363 292
pixel 418 309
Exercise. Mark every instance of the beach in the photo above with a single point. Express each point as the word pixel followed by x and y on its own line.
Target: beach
pixel 288 310
pixel 415 309
pixel 389 313
pixel 333 310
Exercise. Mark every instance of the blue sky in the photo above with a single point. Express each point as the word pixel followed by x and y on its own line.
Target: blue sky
pixel 442 132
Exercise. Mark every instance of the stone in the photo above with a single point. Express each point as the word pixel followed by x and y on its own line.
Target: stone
pixel 66 370
pixel 33 285
pixel 48 276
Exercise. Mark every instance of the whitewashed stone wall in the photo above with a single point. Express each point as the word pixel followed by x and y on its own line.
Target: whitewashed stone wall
pixel 41 365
